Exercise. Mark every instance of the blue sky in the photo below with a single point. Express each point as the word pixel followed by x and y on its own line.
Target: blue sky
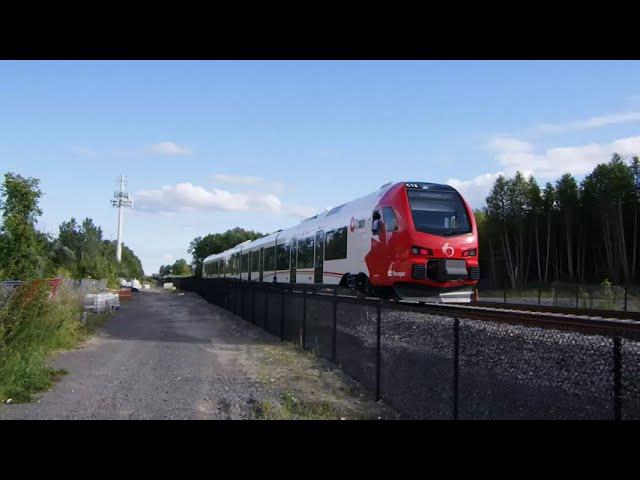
pixel 212 145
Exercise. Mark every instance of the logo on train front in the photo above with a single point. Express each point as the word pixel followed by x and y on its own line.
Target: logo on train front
pixel 448 250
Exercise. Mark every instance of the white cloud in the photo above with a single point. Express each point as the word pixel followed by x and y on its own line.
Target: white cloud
pixel 514 155
pixel 186 197
pixel 169 148
pixel 476 190
pixel 593 122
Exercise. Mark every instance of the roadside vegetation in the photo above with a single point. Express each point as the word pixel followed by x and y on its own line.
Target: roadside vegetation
pixel 32 325
pixel 78 251
pixel 32 328
pixel 307 387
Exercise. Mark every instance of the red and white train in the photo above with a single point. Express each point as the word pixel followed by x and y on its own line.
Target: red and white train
pixel 410 239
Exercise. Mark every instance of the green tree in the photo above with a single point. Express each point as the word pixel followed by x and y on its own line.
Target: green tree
pixel 164 270
pixel 202 247
pixel 181 267
pixel 21 249
pixel 567 197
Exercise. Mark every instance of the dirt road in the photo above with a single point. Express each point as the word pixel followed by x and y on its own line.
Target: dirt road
pixel 171 356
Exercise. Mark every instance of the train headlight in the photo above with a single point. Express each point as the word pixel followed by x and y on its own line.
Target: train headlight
pixel 470 253
pixel 421 251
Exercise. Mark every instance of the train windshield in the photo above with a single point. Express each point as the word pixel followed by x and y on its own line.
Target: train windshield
pixel 438 213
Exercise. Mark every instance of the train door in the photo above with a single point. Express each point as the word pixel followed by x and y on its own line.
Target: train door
pixel 318 272
pixel 376 259
pixel 261 263
pixel 294 260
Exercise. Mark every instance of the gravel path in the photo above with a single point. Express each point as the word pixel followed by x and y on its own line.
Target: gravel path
pixel 170 356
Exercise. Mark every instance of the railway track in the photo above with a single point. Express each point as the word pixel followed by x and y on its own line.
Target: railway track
pixel 597 321
pixel 615 314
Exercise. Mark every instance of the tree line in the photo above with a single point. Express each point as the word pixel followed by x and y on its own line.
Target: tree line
pixel 583 231
pixel 79 251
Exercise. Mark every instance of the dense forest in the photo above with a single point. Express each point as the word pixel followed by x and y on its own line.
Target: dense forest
pixel 565 231
pixel 79 251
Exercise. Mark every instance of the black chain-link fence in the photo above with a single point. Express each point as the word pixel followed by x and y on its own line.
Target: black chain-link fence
pixel 432 365
pixel 604 296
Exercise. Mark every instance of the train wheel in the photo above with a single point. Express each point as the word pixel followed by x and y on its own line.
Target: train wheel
pixel 363 286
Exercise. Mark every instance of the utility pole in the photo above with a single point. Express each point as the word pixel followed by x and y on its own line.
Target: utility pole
pixel 120 199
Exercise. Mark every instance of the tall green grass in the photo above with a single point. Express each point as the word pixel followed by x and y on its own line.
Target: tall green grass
pixel 32 328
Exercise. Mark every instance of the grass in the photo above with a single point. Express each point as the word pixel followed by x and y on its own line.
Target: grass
pixel 305 388
pixel 290 407
pixel 32 329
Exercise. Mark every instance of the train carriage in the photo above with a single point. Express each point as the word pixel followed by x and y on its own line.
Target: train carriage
pixel 410 239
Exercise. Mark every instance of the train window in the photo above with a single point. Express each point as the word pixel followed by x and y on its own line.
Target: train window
pixel 440 213
pixel 245 262
pixel 335 247
pixel 294 253
pixel 255 260
pixel 390 220
pixel 305 252
pixel 269 258
pixel 282 259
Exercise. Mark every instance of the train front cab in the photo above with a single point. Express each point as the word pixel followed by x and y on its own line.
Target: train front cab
pixel 426 246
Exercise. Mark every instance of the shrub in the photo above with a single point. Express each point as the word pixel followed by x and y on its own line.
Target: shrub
pixel 32 327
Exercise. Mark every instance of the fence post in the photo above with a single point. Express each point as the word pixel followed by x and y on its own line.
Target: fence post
pixel 282 315
pixel 304 315
pixel 234 292
pixel 241 298
pixel 335 324
pixel 617 379
pixel 625 298
pixel 456 364
pixel 226 288
pixel 378 353
pixel 505 290
pixel 577 293
pixel 266 309
pixel 253 303
pixel 539 292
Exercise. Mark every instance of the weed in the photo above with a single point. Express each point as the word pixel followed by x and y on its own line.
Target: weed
pixel 32 328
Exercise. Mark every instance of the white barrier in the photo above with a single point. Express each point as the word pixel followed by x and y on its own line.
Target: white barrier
pixel 101 302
